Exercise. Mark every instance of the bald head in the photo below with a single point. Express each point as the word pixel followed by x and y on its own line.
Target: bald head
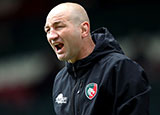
pixel 68 32
pixel 72 11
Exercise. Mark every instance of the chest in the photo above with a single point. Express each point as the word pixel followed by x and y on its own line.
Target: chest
pixel 79 96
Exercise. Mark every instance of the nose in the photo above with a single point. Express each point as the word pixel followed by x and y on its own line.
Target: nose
pixel 52 35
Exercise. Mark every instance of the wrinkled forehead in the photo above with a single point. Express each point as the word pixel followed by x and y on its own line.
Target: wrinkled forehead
pixel 54 17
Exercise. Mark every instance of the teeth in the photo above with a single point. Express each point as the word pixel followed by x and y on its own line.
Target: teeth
pixel 56 44
pixel 52 41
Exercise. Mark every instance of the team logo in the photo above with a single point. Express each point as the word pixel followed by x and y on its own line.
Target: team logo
pixel 91 90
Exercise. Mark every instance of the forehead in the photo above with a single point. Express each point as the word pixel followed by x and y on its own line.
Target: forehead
pixel 56 18
pixel 57 14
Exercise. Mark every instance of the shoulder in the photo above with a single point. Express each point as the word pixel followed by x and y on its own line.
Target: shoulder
pixel 123 65
pixel 126 72
pixel 118 57
pixel 124 62
pixel 115 59
pixel 129 72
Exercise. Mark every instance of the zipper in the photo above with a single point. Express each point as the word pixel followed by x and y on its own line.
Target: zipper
pixel 78 85
pixel 78 94
pixel 73 99
pixel 73 91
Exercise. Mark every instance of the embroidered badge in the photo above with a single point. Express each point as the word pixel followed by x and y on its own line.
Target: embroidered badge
pixel 91 90
pixel 61 99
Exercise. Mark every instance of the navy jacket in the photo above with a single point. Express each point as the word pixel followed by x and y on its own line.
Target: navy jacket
pixel 105 83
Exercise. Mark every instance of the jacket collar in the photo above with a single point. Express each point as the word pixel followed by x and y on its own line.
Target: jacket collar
pixel 105 44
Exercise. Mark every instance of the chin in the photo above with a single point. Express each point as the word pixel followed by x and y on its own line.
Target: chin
pixel 62 58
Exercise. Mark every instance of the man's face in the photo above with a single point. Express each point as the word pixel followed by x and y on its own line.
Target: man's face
pixel 63 36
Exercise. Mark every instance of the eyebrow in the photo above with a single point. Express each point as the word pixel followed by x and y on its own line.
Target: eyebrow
pixel 55 23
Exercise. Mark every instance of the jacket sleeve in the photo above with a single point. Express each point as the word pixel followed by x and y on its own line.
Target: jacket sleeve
pixel 131 89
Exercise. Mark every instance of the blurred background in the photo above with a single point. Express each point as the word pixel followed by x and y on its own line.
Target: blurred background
pixel 28 65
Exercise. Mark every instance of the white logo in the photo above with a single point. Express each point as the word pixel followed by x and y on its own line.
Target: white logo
pixel 61 99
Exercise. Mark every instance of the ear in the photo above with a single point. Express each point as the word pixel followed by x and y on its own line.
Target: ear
pixel 85 29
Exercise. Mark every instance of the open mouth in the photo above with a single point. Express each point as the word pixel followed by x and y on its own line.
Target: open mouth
pixel 59 46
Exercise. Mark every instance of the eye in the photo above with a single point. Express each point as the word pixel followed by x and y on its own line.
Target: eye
pixel 58 27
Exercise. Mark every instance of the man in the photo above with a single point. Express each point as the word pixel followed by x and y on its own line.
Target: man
pixel 98 79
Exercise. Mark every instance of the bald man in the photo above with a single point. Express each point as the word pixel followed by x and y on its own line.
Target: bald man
pixel 67 27
pixel 97 78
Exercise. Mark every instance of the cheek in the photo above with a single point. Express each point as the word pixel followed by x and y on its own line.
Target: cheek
pixel 70 48
pixel 71 38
